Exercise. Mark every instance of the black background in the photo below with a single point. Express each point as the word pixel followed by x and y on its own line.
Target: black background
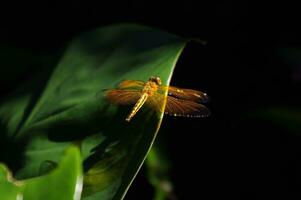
pixel 226 155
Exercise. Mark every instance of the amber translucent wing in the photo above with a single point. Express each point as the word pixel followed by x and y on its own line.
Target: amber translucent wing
pixel 123 97
pixel 177 107
pixel 185 108
pixel 156 102
pixel 126 84
pixel 186 94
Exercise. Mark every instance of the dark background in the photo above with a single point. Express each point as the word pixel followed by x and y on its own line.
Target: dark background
pixel 242 68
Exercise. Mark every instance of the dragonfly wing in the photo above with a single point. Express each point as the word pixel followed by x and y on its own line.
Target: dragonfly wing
pixel 186 94
pixel 177 107
pixel 156 102
pixel 126 84
pixel 185 108
pixel 123 97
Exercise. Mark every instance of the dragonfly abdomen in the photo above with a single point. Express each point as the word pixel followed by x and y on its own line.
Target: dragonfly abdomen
pixel 137 106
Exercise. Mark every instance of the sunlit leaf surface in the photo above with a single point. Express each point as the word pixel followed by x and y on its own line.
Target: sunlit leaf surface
pixel 65 104
pixel 63 183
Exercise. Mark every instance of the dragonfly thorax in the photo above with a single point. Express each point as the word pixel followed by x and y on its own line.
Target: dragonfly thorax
pixel 150 88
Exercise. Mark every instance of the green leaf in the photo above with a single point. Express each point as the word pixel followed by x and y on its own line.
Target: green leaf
pixel 68 106
pixel 63 183
pixel 9 190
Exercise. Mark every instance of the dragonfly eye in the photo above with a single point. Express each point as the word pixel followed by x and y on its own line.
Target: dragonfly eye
pixel 157 80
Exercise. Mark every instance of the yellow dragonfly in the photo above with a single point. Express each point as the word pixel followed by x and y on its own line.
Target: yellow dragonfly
pixel 179 102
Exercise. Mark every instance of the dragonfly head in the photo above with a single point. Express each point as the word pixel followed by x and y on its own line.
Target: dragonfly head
pixel 155 79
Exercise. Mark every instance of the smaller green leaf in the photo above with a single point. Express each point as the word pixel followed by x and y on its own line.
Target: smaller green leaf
pixel 9 190
pixel 63 183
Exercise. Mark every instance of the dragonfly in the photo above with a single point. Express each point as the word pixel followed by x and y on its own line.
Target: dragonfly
pixel 179 101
